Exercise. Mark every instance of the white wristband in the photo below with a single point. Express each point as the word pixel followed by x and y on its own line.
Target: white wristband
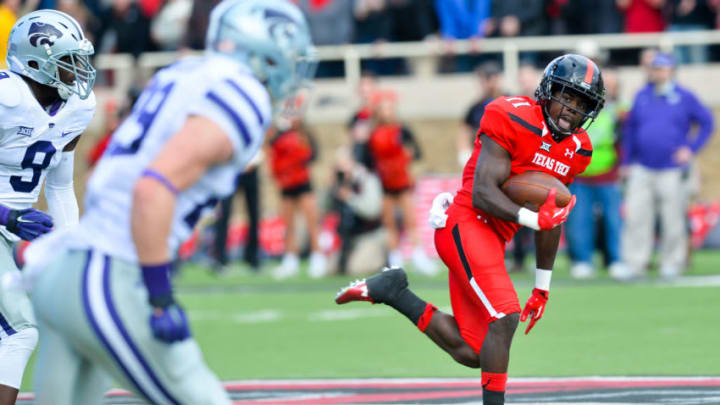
pixel 542 279
pixel 528 218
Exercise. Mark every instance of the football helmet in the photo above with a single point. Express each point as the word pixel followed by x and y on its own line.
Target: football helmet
pixel 43 43
pixel 270 36
pixel 574 73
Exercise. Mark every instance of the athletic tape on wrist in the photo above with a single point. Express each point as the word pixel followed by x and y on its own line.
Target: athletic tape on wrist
pixel 542 279
pixel 528 218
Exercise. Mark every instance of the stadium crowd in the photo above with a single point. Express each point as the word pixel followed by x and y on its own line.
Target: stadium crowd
pixel 137 26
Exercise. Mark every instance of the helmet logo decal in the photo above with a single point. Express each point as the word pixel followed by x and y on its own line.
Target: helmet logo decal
pixel 280 25
pixel 43 34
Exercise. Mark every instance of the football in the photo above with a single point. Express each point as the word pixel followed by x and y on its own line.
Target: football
pixel 530 189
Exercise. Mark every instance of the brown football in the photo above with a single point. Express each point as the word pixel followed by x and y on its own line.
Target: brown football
pixel 530 189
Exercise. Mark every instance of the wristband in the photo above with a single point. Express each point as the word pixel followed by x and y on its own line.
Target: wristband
pixel 4 215
pixel 162 179
pixel 542 279
pixel 157 281
pixel 528 218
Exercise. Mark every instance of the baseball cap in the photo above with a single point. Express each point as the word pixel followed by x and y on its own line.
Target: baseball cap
pixel 663 59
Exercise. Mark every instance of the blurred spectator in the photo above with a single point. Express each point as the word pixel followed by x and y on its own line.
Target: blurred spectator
pixel 597 189
pixel 292 149
pixel 520 18
pixel 78 10
pixel 331 23
pixel 8 15
pixel 690 15
pixel 592 17
pixel 123 28
pixel 360 124
pixel 490 80
pixel 658 146
pixel 356 196
pixel 643 15
pixel 248 183
pixel 393 148
pixel 374 25
pixel 412 20
pixel 462 19
pixel 528 79
pixel 197 24
pixel 168 26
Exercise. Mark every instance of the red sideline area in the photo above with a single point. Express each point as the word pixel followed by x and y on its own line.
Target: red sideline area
pixel 340 391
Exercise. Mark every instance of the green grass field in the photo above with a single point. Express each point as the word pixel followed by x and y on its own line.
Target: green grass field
pixel 250 326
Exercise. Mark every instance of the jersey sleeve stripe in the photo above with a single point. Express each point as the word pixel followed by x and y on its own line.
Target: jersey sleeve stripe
pixel 584 152
pixel 249 100
pixel 532 128
pixel 233 116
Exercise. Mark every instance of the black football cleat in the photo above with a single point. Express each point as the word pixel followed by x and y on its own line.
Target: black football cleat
pixel 378 289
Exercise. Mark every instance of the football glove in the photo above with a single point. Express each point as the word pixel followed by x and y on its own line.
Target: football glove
pixel 550 215
pixel 534 307
pixel 27 223
pixel 168 321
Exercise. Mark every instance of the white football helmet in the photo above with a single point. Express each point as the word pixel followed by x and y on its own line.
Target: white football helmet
pixel 271 36
pixel 46 41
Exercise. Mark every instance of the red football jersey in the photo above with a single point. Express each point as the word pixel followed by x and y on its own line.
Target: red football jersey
pixel 517 124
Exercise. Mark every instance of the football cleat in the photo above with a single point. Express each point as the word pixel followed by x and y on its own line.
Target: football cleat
pixel 378 289
pixel 356 291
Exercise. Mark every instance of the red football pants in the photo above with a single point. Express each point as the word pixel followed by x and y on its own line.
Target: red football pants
pixel 480 289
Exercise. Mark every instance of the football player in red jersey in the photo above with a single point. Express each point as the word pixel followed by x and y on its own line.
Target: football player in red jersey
pixel 516 134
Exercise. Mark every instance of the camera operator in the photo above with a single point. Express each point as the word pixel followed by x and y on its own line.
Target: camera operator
pixel 356 196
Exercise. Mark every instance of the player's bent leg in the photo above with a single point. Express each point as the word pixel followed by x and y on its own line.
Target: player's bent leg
pixel 15 351
pixel 56 370
pixel 495 353
pixel 92 382
pixel 443 330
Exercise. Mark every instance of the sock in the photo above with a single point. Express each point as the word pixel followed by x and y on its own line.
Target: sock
pixel 494 388
pixel 413 307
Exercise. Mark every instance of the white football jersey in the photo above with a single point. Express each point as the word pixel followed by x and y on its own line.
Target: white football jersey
pixel 216 87
pixel 32 139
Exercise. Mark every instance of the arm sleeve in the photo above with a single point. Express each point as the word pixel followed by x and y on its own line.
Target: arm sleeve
pixel 59 192
pixel 704 118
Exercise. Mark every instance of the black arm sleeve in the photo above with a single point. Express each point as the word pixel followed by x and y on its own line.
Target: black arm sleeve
pixel 408 139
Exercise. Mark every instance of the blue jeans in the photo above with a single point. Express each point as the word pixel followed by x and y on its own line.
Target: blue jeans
pixel 580 230
pixel 689 53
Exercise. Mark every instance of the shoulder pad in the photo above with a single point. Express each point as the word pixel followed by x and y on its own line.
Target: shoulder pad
pixel 10 90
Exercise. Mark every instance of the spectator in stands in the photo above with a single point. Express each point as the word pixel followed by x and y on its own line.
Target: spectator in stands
pixel 8 15
pixel 514 18
pixel 374 25
pixel 129 26
pixel 78 10
pixel 598 189
pixel 197 24
pixel 247 182
pixel 462 19
pixel 691 15
pixel 412 20
pixel 490 80
pixel 658 145
pixel 292 149
pixel 331 23
pixel 169 25
pixel 643 15
pixel 592 17
pixel 360 124
pixel 393 148
pixel 356 196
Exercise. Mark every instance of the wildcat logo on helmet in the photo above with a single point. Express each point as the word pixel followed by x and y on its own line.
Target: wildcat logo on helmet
pixel 280 25
pixel 43 34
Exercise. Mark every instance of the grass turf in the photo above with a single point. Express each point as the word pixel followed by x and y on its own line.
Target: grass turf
pixel 250 326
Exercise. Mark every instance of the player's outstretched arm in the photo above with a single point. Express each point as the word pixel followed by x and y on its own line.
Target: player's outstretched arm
pixel 198 146
pixel 59 190
pixel 491 171
pixel 546 245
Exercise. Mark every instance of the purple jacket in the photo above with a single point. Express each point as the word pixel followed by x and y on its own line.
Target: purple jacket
pixel 660 124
